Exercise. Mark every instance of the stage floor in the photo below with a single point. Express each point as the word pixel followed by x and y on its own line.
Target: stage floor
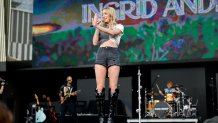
pixel 183 120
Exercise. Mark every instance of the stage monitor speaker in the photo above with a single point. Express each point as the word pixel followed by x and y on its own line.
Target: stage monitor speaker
pixel 81 106
pixel 120 108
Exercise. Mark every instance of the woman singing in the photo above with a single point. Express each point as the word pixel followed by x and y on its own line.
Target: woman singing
pixel 107 35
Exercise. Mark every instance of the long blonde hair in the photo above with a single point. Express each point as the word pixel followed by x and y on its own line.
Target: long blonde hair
pixel 113 15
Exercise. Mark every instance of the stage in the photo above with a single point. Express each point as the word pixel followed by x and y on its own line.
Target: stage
pixel 93 118
pixel 181 120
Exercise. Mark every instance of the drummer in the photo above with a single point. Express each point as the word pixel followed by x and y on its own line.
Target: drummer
pixel 170 92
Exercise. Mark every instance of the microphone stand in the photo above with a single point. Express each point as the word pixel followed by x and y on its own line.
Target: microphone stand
pixel 154 81
pixel 152 85
pixel 152 91
pixel 139 95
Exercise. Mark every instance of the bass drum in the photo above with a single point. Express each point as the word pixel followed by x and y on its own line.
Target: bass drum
pixel 162 109
pixel 150 105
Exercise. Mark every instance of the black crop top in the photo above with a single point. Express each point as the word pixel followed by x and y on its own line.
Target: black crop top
pixel 103 37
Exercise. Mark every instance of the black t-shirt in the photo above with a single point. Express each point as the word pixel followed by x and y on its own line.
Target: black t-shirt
pixel 68 90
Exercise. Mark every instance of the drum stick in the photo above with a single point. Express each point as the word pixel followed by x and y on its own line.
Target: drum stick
pixel 158 87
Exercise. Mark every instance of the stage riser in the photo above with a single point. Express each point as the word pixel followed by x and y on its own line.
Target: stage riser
pixel 163 120
pixel 92 119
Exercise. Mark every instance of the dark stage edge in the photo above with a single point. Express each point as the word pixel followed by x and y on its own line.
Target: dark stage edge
pixel 163 120
pixel 93 119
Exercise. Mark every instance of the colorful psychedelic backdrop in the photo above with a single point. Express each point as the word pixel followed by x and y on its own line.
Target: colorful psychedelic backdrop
pixel 155 31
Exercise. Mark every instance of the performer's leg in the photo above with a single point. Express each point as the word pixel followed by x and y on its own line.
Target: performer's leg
pixel 113 72
pixel 72 108
pixel 100 73
pixel 112 104
pixel 100 102
pixel 63 112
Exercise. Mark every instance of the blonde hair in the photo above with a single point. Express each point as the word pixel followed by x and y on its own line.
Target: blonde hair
pixel 113 15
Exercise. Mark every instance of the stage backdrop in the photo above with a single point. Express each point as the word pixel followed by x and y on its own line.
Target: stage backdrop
pixel 155 31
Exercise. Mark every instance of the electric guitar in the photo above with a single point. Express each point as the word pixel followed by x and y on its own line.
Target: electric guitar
pixel 68 95
pixel 40 115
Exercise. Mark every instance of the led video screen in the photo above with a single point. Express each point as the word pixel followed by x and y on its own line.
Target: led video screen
pixel 154 31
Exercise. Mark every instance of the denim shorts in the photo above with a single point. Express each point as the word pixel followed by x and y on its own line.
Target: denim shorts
pixel 108 56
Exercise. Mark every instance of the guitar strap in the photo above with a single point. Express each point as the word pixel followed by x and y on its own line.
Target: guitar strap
pixel 67 89
pixel 71 89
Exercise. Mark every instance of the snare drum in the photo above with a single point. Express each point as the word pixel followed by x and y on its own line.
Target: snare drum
pixel 162 109
pixel 170 97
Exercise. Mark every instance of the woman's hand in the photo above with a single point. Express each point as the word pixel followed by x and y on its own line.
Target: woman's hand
pixel 95 20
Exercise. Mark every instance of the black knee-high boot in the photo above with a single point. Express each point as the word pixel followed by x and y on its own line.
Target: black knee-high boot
pixel 112 104
pixel 100 101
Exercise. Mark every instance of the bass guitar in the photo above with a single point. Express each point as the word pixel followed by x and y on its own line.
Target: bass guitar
pixel 40 115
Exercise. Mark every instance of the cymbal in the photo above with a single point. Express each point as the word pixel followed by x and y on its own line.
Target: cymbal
pixel 151 94
pixel 177 85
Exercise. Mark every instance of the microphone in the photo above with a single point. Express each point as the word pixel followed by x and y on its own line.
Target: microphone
pixel 158 76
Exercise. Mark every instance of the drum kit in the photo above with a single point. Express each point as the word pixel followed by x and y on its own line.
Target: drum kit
pixel 177 105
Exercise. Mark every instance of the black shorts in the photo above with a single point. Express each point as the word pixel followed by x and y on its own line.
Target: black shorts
pixel 108 56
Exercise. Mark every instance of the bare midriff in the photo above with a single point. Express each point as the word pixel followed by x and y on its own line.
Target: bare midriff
pixel 109 43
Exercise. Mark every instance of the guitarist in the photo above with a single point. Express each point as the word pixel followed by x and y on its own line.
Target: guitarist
pixel 67 96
